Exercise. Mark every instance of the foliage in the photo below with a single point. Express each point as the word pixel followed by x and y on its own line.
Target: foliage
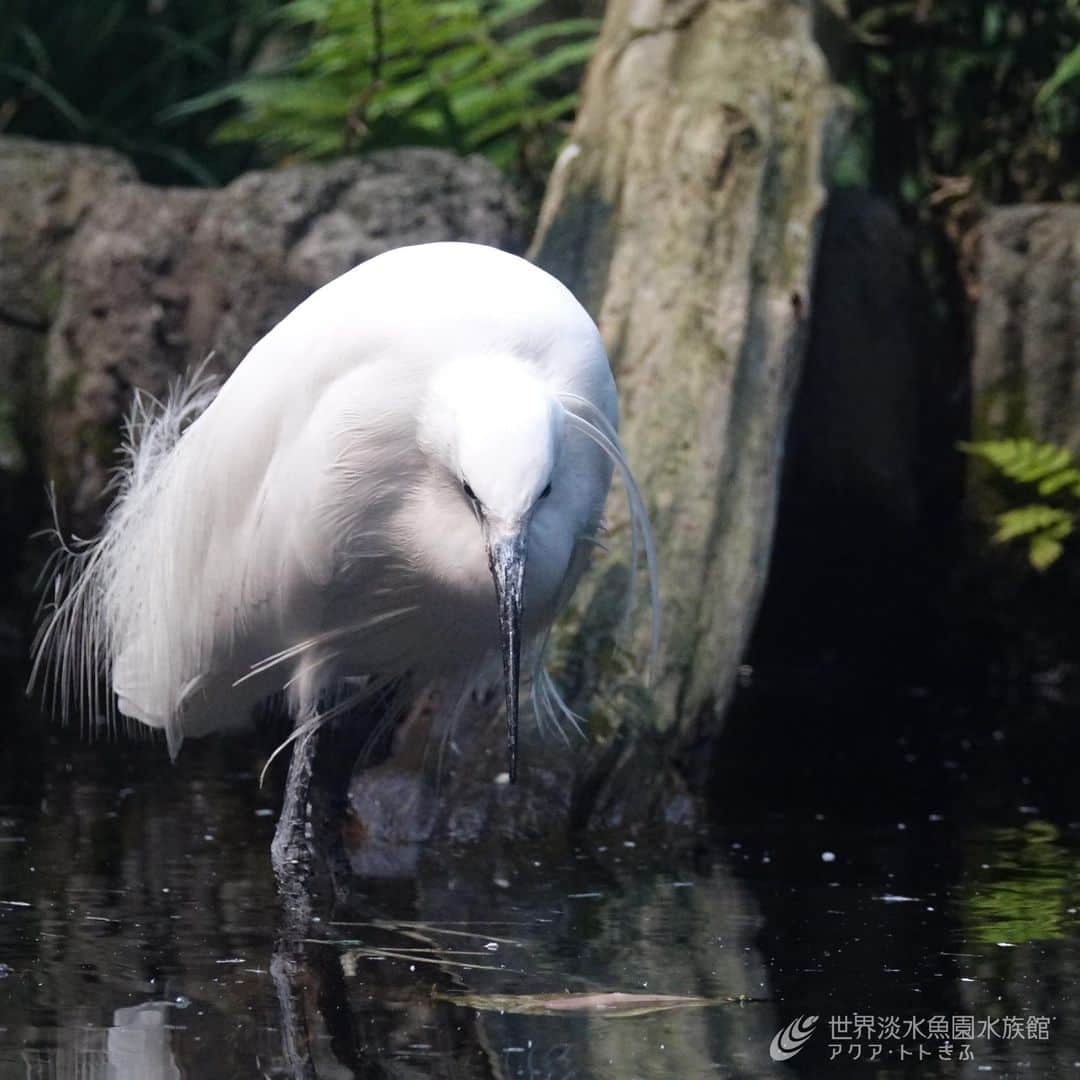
pixel 955 98
pixel 1067 70
pixel 1038 468
pixel 102 71
pixel 464 74
pixel 1026 889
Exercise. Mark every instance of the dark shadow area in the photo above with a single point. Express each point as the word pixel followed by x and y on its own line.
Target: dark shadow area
pixel 869 514
pixel 882 572
pixel 906 850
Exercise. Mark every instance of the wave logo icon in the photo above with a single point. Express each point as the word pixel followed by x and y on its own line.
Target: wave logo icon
pixel 788 1041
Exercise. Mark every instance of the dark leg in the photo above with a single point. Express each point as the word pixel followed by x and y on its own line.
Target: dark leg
pixel 308 835
pixel 308 845
pixel 289 971
pixel 316 798
pixel 292 858
pixel 308 975
pixel 291 852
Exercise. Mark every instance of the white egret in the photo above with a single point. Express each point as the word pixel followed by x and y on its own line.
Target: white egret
pixel 404 476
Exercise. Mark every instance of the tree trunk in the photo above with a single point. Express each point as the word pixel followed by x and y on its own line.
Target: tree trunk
pixel 684 213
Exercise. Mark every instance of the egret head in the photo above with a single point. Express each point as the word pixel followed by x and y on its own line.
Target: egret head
pixel 495 426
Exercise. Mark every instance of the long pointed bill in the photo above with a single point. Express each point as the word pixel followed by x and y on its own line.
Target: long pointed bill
pixel 506 557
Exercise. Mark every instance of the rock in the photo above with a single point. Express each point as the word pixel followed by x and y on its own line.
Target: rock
pixel 158 279
pixel 121 324
pixel 460 795
pixel 1025 382
pixel 1026 367
pixel 387 823
pixel 45 193
pixel 286 233
pixel 48 190
pixel 685 213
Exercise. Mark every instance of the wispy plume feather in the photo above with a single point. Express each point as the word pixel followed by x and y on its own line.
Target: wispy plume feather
pixel 75 647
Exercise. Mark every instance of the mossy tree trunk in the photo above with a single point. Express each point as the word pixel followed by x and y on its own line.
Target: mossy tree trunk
pixel 684 213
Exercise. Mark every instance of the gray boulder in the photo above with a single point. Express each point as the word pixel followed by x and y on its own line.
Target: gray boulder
pixel 1026 368
pixel 46 192
pixel 1025 382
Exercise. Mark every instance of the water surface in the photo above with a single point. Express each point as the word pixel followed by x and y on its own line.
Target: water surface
pixel 904 860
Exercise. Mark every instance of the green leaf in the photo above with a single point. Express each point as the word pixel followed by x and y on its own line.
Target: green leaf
pixel 1024 460
pixel 506 11
pixel 1024 520
pixel 465 74
pixel 1044 551
pixel 35 46
pixel 1068 69
pixel 552 63
pixel 53 96
pixel 1066 479
pixel 538 35
pixel 203 103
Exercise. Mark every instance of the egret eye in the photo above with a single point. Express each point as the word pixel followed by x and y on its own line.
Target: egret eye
pixel 469 493
pixel 546 492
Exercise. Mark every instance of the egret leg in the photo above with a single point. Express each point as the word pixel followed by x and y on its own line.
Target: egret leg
pixel 293 857
pixel 307 842
pixel 291 852
pixel 311 993
pixel 290 976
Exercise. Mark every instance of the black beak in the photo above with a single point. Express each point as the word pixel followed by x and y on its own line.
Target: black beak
pixel 506 557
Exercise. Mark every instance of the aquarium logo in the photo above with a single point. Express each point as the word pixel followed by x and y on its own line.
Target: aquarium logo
pixel 788 1041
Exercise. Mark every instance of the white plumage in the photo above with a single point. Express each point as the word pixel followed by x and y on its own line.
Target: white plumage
pixel 338 509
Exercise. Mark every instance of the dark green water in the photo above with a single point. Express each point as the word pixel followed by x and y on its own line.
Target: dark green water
pixel 900 861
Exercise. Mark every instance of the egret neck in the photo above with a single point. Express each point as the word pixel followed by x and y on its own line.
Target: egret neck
pixel 495 430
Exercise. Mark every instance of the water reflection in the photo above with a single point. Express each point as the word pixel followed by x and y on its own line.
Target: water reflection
pixel 139 1043
pixel 139 926
pixel 1024 885
pixel 140 932
pixel 1020 915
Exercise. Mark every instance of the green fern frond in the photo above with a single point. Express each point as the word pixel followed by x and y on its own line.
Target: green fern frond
pixel 1044 527
pixel 1043 468
pixel 1034 518
pixel 462 74
pixel 1044 551
pixel 1067 479
pixel 1029 462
